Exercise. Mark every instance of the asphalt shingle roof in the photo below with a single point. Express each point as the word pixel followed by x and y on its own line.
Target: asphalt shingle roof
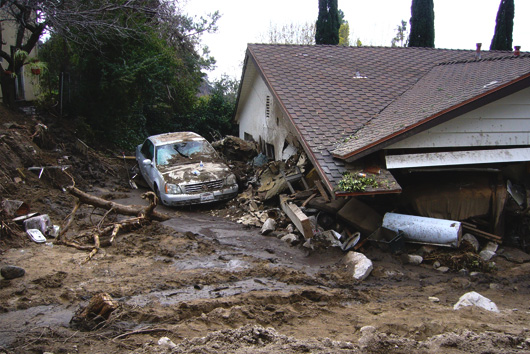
pixel 331 92
pixel 444 87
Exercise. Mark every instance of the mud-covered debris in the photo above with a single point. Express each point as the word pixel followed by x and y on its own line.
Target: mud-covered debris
pixel 13 208
pixel 236 149
pixel 472 240
pixel 98 310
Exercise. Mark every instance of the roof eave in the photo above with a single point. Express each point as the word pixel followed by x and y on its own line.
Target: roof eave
pixel 440 117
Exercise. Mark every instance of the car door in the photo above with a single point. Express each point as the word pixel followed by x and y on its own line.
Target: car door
pixel 147 151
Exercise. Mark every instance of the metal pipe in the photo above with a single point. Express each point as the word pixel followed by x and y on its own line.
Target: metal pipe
pixel 418 229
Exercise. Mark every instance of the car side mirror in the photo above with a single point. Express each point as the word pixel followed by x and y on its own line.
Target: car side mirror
pixel 146 162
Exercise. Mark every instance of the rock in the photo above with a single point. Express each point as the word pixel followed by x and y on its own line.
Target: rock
pixel 290 239
pixel 11 272
pixel 166 343
pixel 472 240
pixel 515 255
pixel 486 255
pixel 358 265
pixel 475 299
pixel 443 269
pixel 491 246
pixel 411 259
pixel 426 249
pixel 268 226
pixel 434 299
pixel 436 265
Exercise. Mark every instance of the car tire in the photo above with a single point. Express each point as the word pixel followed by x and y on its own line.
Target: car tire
pixel 157 192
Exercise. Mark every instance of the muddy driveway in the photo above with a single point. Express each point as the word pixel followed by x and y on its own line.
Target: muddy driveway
pixel 209 285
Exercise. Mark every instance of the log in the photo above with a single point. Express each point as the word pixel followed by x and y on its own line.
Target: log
pixel 119 208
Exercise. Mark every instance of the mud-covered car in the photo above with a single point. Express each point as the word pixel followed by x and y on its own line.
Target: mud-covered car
pixel 183 168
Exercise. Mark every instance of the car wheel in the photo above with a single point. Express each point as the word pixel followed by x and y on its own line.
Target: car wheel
pixel 157 192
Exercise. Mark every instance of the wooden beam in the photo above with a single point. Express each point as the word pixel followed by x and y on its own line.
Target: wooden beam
pixel 297 216
pixel 322 190
pixel 472 229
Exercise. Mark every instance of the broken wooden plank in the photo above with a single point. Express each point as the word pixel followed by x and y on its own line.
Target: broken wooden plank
pixel 474 231
pixel 297 216
pixel 322 191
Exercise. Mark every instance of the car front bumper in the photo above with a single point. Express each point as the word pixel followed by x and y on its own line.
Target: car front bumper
pixel 199 198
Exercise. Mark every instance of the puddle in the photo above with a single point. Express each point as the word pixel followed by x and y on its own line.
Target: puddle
pixel 32 319
pixel 175 296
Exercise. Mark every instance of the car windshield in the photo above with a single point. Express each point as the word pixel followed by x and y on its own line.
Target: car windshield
pixel 185 151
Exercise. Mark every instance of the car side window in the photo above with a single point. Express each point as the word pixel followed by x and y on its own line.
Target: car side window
pixel 148 150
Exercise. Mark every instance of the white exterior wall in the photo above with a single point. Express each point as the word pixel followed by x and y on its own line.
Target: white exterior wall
pixel 505 122
pixel 30 81
pixel 253 118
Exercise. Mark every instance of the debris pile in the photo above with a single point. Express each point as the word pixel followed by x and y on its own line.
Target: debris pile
pixel 286 199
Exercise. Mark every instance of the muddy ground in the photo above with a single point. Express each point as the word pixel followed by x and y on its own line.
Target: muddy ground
pixel 211 285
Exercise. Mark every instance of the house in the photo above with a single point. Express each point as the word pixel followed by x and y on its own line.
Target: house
pixel 349 108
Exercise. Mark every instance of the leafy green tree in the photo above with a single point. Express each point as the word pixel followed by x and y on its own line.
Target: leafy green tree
pixel 502 39
pixel 344 30
pixel 328 23
pixel 422 24
pixel 129 87
pixel 401 35
pixel 213 113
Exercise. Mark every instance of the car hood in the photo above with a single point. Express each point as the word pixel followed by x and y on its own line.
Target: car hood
pixel 194 172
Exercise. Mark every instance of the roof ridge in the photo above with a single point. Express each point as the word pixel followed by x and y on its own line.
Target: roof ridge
pixel 467 61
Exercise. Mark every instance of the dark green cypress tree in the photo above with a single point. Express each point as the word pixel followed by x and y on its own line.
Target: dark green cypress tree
pixel 328 22
pixel 502 39
pixel 422 24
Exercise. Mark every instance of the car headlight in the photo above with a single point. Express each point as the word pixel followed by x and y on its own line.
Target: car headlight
pixel 173 189
pixel 231 180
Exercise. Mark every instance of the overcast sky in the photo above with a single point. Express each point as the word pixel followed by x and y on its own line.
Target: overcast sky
pixel 459 24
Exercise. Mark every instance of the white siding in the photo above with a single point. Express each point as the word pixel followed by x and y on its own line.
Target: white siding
pixel 505 122
pixel 253 120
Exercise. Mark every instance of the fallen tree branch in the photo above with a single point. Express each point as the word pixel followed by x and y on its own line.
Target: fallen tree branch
pixel 148 211
pixel 142 215
pixel 141 331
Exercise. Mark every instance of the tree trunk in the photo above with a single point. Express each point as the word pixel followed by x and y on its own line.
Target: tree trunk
pixel 8 89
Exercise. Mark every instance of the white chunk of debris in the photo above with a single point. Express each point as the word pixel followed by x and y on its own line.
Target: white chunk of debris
pixel 475 299
pixel 358 265
pixel 268 226
pixel 166 343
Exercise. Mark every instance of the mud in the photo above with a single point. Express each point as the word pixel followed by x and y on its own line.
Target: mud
pixel 211 285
